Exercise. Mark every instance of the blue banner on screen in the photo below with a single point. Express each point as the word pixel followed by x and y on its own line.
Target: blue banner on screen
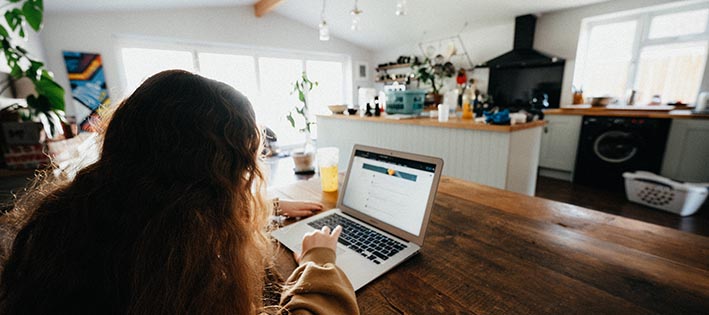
pixel 389 171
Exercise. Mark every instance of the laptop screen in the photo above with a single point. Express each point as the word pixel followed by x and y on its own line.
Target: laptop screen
pixel 391 189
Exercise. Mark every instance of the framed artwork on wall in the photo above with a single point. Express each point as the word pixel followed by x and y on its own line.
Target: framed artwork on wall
pixel 88 86
pixel 362 71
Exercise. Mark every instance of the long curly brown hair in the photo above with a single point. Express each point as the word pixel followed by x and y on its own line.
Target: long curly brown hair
pixel 170 220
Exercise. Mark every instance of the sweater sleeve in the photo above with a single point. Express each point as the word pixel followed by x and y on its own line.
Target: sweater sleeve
pixel 319 287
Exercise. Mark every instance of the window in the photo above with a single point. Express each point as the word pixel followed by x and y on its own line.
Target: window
pixel 673 71
pixel 276 78
pixel 678 24
pixel 140 63
pixel 657 52
pixel 235 70
pixel 610 53
pixel 265 77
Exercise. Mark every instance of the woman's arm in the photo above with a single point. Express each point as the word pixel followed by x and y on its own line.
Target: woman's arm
pixel 299 208
pixel 317 286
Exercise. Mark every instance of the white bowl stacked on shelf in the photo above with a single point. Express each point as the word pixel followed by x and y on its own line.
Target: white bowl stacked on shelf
pixel 662 193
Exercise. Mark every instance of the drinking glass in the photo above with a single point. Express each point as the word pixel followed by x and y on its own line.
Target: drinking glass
pixel 327 162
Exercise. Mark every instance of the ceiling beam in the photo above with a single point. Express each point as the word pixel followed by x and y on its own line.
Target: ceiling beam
pixel 264 6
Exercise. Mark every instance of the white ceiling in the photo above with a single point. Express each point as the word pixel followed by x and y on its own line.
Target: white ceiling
pixel 380 27
pixel 123 5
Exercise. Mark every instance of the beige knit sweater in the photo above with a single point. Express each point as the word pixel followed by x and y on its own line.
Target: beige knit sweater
pixel 317 286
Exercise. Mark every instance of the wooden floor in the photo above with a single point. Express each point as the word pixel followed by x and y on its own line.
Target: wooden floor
pixel 616 203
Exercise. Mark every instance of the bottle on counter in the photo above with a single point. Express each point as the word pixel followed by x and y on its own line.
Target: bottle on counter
pixel 577 96
pixel 383 100
pixel 377 109
pixel 484 104
pixel 472 101
pixel 451 99
pixel 368 111
pixel 467 111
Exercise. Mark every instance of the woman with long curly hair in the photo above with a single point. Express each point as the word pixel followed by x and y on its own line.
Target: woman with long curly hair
pixel 170 220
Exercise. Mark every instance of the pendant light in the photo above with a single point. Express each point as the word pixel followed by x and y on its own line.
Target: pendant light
pixel 323 28
pixel 400 7
pixel 355 17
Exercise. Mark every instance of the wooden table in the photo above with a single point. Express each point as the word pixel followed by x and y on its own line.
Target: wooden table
pixel 489 251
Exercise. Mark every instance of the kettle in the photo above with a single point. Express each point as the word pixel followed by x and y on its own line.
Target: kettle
pixel 702 105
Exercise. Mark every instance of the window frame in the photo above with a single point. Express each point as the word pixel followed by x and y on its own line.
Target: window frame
pixel 641 39
pixel 128 41
pixel 255 52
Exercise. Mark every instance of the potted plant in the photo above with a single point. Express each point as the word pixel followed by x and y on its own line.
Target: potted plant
pixel 45 107
pixel 433 73
pixel 47 104
pixel 300 118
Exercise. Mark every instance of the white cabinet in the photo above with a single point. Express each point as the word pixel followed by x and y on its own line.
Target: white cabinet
pixel 502 159
pixel 687 152
pixel 559 143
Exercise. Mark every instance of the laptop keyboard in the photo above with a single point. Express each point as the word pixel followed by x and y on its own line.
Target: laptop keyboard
pixel 363 240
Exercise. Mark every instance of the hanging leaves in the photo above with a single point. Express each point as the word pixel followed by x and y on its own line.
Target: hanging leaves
pixel 302 86
pixel 429 72
pixel 50 99
pixel 32 10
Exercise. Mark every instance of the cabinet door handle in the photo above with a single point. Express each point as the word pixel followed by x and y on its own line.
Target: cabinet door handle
pixel 546 129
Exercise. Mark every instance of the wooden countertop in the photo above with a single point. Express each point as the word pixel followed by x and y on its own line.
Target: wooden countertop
pixel 433 122
pixel 600 111
pixel 490 251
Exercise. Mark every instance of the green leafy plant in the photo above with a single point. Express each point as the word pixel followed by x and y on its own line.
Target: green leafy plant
pixel 48 105
pixel 302 86
pixel 432 73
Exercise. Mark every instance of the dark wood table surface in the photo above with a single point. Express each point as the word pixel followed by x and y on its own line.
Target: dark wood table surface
pixel 490 251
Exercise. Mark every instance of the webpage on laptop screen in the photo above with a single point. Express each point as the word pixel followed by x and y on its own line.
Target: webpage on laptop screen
pixel 390 189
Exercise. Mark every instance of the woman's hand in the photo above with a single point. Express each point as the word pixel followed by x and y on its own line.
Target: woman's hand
pixel 299 208
pixel 320 238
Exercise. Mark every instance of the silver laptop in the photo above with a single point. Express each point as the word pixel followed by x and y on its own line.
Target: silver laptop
pixel 384 207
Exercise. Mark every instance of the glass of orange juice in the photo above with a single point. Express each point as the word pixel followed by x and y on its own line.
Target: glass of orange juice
pixel 327 162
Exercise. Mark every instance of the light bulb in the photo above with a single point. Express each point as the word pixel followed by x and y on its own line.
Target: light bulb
pixel 324 31
pixel 355 22
pixel 356 12
pixel 400 7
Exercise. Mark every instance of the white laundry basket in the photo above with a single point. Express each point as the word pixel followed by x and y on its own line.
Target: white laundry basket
pixel 662 193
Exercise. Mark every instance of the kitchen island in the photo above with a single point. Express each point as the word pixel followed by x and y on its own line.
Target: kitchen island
pixel 505 157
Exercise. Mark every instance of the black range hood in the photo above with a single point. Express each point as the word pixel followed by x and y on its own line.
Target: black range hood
pixel 523 54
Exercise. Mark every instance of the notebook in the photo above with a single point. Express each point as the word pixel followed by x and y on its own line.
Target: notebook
pixel 384 206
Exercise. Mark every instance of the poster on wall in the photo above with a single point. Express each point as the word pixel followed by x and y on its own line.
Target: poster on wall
pixel 88 86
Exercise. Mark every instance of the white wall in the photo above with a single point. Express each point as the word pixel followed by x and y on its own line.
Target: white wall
pixel 96 32
pixel 557 34
pixel 481 44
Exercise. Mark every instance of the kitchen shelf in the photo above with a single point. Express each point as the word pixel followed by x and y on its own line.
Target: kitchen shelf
pixel 397 66
pixel 402 80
